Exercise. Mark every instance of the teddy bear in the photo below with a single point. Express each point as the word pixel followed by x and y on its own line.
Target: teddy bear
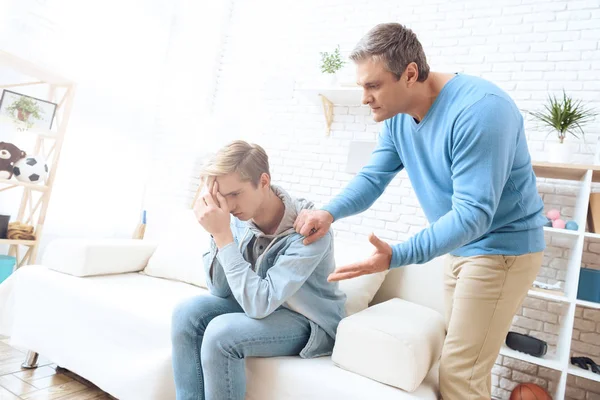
pixel 9 155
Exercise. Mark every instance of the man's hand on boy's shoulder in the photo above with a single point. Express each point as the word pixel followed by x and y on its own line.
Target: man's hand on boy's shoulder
pixel 212 212
pixel 313 224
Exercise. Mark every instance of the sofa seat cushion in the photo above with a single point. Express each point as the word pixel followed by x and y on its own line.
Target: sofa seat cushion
pixel 113 330
pixel 293 378
pixel 395 342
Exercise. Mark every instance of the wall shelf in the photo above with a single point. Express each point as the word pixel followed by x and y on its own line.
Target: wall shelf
pixel 10 183
pixel 587 304
pixel 547 362
pixel 11 242
pixel 333 96
pixel 582 373
pixel 561 232
pixel 573 172
pixel 548 295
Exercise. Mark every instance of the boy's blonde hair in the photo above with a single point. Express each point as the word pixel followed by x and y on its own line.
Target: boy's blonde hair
pixel 250 161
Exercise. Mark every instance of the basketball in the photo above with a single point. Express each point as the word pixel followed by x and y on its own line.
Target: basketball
pixel 529 391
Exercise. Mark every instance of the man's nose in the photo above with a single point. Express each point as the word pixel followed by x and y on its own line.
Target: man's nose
pixel 366 98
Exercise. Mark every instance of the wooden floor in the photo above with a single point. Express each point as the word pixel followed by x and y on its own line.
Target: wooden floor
pixel 45 382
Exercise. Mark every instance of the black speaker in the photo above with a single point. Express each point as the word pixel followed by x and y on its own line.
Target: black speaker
pixel 526 344
pixel 4 219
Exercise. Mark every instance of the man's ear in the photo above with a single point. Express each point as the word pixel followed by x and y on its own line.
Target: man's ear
pixel 412 73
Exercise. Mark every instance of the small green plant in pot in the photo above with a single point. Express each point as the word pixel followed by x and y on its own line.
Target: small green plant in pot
pixel 24 109
pixel 331 63
pixel 563 117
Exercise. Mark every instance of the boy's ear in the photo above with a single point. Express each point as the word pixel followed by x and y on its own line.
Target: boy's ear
pixel 265 180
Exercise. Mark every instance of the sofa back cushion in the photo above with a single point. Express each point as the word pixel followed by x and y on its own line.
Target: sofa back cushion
pixel 419 283
pixel 182 242
pixel 360 290
pixel 181 245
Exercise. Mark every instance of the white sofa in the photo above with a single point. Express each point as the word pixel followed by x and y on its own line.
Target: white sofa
pixel 92 308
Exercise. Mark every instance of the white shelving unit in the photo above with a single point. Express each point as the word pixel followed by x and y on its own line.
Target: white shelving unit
pixel 23 75
pixel 561 361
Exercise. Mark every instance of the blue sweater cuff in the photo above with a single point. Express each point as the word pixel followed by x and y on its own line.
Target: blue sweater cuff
pixel 396 257
pixel 333 210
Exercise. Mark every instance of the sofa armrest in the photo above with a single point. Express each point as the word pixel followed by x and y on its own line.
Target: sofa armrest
pixel 395 342
pixel 88 257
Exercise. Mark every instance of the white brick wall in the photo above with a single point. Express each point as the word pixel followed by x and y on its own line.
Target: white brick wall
pixel 530 48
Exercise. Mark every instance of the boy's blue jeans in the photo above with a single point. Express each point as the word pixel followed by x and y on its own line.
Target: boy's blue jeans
pixel 211 338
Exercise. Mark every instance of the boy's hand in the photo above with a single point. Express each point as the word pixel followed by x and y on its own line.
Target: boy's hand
pixel 212 212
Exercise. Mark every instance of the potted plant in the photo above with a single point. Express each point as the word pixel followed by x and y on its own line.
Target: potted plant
pixel 331 63
pixel 24 108
pixel 563 117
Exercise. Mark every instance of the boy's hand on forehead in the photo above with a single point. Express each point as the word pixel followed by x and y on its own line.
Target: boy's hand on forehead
pixel 218 198
pixel 212 212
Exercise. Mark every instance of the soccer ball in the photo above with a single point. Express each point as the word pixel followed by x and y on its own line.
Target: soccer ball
pixel 31 169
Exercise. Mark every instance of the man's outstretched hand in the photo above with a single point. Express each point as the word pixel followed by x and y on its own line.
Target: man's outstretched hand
pixel 313 224
pixel 379 261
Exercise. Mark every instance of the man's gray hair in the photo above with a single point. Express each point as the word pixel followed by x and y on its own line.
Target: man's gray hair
pixel 395 45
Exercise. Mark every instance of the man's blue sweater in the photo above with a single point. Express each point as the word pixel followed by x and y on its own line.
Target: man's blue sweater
pixel 470 167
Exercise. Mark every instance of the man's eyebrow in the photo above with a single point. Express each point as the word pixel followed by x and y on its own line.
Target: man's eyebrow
pixel 370 83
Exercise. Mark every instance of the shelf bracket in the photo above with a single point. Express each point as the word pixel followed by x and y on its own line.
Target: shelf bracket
pixel 328 112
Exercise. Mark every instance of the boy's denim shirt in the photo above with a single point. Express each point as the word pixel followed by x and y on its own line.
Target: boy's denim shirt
pixel 287 274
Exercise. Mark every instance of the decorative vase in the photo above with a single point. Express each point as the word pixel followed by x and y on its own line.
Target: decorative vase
pixel 332 79
pixel 560 153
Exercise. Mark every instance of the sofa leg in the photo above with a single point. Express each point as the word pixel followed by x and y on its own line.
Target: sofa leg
pixel 30 360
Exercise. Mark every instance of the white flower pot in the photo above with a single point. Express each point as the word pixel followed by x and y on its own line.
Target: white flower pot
pixel 561 153
pixel 331 80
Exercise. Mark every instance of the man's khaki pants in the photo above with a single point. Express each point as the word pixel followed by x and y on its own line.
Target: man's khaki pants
pixel 482 295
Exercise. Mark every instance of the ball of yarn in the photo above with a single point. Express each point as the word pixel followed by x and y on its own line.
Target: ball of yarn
pixel 559 224
pixel 553 214
pixel 572 226
pixel 549 223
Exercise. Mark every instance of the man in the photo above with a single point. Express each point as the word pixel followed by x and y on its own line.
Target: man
pixel 461 140
pixel 269 293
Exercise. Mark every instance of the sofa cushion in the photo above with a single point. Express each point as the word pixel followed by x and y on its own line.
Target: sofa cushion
pixel 113 330
pixel 294 378
pixel 183 241
pixel 395 342
pixel 122 323
pixel 181 244
pixel 90 257
pixel 360 290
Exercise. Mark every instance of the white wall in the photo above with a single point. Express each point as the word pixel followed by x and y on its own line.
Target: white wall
pixel 530 48
pixel 145 74
pixel 115 52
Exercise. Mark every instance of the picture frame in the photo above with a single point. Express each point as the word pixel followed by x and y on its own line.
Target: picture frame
pixel 27 111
